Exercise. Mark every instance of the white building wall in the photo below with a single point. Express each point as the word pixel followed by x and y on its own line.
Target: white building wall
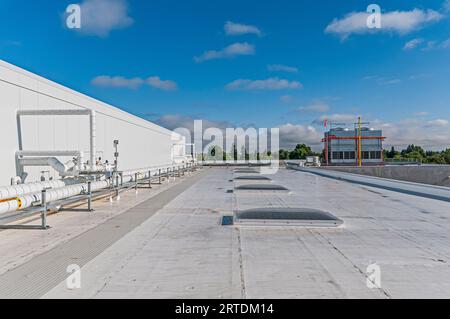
pixel 142 144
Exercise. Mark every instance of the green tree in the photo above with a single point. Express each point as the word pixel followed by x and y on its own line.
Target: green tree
pixel 283 154
pixel 301 151
pixel 446 156
pixel 413 151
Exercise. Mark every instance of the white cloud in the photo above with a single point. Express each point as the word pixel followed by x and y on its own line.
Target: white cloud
pixel 369 77
pixel 389 81
pixel 420 76
pixel 100 17
pixel 291 135
pixel 174 121
pixel 133 83
pixel 401 22
pixel 446 44
pixel 437 123
pixel 431 135
pixel 412 44
pixel 232 28
pixel 156 82
pixel 287 99
pixel 230 51
pixel 337 118
pixel 270 84
pixel 316 107
pixel 382 80
pixel 447 6
pixel 282 68
pixel 423 113
pixel 436 45
pixel 117 82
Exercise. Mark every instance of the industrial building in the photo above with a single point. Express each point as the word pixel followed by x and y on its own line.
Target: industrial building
pixel 358 147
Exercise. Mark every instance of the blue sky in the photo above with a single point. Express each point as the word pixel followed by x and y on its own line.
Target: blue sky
pixel 283 63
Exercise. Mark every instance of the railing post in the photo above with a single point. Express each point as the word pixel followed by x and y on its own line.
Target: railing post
pixel 117 185
pixel 159 176
pixel 44 209
pixel 150 179
pixel 136 181
pixel 90 197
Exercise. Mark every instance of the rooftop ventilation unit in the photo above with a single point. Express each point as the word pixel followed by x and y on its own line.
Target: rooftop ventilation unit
pixel 261 187
pixel 287 216
pixel 252 178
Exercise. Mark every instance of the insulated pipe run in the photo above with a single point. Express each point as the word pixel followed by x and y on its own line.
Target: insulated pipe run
pixel 11 201
pixel 9 192
pixel 34 197
pixel 26 201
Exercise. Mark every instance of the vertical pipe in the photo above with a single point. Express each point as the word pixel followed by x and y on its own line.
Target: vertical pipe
pixel 117 185
pixel 89 196
pixel 359 142
pixel 92 135
pixel 19 132
pixel 44 209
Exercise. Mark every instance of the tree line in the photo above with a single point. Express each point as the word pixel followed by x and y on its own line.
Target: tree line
pixel 301 151
pixel 417 153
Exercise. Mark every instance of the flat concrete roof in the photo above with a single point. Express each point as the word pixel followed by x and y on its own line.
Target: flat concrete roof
pixel 168 243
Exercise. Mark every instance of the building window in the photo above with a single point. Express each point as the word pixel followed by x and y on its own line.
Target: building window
pixel 338 155
pixel 365 155
pixel 352 155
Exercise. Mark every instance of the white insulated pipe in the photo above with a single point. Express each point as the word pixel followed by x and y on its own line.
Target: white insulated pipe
pixel 9 192
pixel 53 162
pixel 13 198
pixel 13 191
pixel 33 194
pixel 26 201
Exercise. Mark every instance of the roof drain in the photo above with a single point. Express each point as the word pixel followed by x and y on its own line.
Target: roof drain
pixel 306 217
